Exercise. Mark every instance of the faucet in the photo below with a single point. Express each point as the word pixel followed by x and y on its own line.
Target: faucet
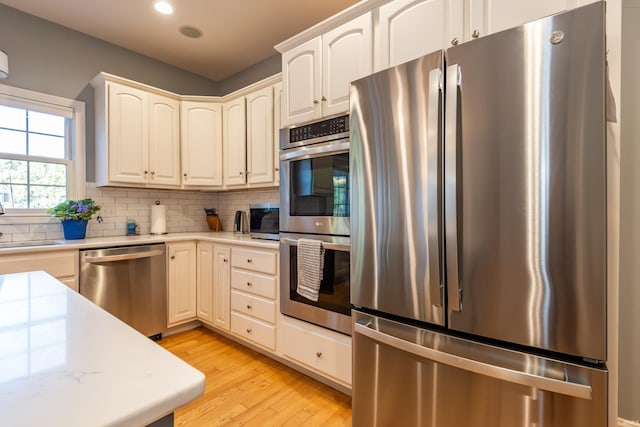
pixel 1 209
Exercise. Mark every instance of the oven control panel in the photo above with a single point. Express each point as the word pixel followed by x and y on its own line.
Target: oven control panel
pixel 332 126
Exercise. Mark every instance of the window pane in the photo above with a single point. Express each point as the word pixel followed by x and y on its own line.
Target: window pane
pixel 13 171
pixel 13 118
pixel 48 173
pixel 18 197
pixel 46 197
pixel 46 123
pixel 13 142
pixel 46 146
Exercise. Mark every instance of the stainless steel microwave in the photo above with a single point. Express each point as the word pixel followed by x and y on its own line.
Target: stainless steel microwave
pixel 264 221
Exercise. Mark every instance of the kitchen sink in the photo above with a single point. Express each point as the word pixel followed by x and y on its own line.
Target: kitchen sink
pixel 4 245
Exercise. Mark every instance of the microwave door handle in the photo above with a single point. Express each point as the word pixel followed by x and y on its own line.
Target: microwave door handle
pixel 342 247
pixel 454 79
pixel 312 152
pixel 433 225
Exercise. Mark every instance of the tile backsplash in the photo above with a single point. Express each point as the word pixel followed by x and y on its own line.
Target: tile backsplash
pixel 185 212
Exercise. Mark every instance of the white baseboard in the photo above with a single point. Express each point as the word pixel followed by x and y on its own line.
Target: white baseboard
pixel 626 423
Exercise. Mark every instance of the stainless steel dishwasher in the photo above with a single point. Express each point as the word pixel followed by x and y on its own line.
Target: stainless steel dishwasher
pixel 129 282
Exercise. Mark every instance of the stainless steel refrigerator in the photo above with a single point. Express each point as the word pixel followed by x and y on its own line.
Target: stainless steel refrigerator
pixel 479 232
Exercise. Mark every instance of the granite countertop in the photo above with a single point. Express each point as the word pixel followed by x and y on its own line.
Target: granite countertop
pixel 66 362
pixel 101 242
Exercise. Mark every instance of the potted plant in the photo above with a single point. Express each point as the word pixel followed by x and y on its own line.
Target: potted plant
pixel 74 214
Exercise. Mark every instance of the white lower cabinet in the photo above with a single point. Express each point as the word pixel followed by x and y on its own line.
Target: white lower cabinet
pixel 181 283
pixel 63 265
pixel 254 292
pixel 321 350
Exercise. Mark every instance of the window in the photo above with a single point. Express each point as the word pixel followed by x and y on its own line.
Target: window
pixel 41 150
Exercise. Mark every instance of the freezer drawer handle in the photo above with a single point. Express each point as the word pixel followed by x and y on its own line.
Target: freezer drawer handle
pixel 122 257
pixel 555 386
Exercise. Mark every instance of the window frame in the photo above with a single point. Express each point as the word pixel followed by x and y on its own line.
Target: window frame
pixel 76 162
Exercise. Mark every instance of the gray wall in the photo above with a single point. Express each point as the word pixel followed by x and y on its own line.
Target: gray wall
pixel 265 68
pixel 629 405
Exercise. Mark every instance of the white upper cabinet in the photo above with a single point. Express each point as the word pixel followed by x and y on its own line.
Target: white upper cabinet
pixel 347 55
pixel 301 70
pixel 260 143
pixel 137 136
pixel 234 148
pixel 408 29
pixel 317 73
pixel 164 141
pixel 490 16
pixel 201 144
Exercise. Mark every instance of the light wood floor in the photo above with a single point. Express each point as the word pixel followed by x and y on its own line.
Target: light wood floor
pixel 244 387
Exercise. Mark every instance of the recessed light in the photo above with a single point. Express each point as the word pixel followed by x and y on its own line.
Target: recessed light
pixel 191 32
pixel 163 7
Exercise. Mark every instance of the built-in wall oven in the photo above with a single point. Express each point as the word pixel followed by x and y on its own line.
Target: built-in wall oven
pixel 314 177
pixel 314 204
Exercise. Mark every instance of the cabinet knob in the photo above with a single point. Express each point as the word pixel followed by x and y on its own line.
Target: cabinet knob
pixel 315 101
pixel 241 173
pixel 249 307
pixel 323 98
pixel 249 260
pixel 224 260
pixel 146 172
pixel 185 174
pixel 153 173
pixel 475 34
pixel 319 354
pixel 247 172
pixel 248 330
pixel 277 169
pixel 454 41
pixel 173 257
pixel 249 284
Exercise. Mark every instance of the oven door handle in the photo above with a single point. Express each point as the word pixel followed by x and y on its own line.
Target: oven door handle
pixel 317 151
pixel 327 245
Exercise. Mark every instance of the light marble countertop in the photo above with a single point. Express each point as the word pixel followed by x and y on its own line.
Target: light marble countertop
pixel 101 242
pixel 66 362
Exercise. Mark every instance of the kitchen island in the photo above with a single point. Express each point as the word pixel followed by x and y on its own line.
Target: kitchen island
pixel 66 362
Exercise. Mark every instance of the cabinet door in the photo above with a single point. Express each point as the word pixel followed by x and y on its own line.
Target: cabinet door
pixel 201 143
pixel 301 80
pixel 204 291
pixel 409 29
pixel 347 55
pixel 235 140
pixel 182 282
pixel 164 141
pixel 277 124
pixel 260 145
pixel 128 134
pixel 490 16
pixel 221 286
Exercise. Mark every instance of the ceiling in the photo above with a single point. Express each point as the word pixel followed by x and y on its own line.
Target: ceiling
pixel 236 33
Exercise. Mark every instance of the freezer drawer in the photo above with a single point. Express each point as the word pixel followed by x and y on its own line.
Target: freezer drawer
pixel 432 379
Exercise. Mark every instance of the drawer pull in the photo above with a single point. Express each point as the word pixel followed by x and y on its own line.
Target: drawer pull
pixel 249 284
pixel 249 260
pixel 249 306
pixel 319 354
pixel 248 330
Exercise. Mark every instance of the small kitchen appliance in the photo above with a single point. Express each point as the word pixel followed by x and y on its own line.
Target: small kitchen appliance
pixel 240 223
pixel 264 221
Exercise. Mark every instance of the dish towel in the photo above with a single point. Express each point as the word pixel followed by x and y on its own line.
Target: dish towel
pixel 310 266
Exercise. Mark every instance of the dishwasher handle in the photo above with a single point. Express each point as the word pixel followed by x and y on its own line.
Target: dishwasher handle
pixel 122 257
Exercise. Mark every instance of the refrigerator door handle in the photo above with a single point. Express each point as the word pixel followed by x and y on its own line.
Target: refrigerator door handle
pixel 433 133
pixel 552 385
pixel 453 82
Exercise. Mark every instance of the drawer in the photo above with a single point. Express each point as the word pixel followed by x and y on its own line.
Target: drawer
pixel 253 330
pixel 258 284
pixel 255 260
pixel 324 351
pixel 253 306
pixel 56 263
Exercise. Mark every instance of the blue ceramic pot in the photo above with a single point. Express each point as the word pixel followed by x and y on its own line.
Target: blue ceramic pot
pixel 74 228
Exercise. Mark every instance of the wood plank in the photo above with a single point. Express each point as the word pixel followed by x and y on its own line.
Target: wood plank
pixel 244 387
